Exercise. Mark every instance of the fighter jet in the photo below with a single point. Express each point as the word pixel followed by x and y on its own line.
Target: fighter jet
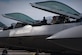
pixel 32 37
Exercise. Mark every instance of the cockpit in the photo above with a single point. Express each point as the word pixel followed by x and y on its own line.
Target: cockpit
pixel 66 14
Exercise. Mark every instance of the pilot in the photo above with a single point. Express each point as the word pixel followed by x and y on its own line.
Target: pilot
pixel 67 19
pixel 61 18
pixel 44 21
pixel 54 20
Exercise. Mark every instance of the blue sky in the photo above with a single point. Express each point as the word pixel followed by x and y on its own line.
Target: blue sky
pixel 23 6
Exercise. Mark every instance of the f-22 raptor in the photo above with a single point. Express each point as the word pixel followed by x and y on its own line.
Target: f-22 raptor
pixel 65 36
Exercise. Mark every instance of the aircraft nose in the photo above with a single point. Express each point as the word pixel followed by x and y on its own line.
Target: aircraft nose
pixel 74 32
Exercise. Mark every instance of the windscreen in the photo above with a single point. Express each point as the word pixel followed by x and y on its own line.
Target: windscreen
pixel 2 25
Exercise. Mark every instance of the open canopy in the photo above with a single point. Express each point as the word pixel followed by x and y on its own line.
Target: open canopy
pixel 20 17
pixel 57 7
